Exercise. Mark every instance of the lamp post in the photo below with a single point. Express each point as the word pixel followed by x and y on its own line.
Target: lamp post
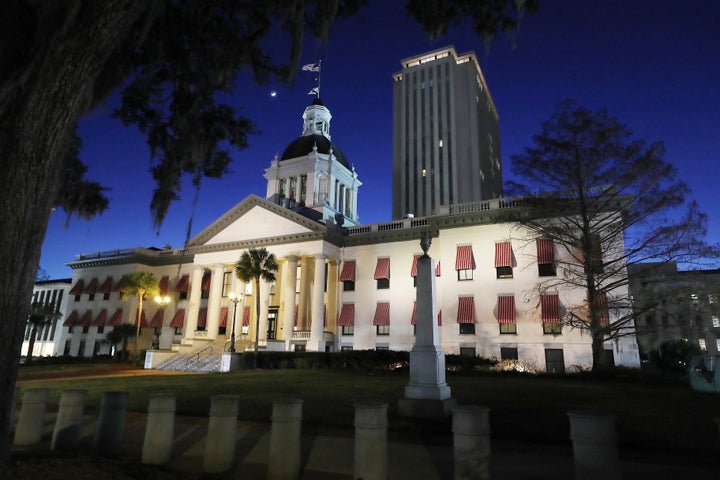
pixel 235 299
pixel 162 303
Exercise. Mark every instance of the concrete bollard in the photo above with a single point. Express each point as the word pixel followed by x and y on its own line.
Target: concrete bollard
pixel 471 442
pixel 31 420
pixel 284 458
pixel 109 435
pixel 371 455
pixel 594 445
pixel 222 434
pixel 68 425
pixel 159 431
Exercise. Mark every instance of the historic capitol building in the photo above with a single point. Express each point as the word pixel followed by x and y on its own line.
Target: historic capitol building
pixel 343 285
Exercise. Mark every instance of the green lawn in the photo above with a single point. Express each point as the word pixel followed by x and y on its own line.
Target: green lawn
pixel 650 416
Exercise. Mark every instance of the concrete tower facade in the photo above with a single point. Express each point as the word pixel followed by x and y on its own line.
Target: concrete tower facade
pixel 446 139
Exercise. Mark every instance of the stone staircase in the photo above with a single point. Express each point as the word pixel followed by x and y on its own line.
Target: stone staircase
pixel 201 356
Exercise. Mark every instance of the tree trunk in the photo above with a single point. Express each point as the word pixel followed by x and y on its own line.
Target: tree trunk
pixel 598 350
pixel 257 321
pixel 37 117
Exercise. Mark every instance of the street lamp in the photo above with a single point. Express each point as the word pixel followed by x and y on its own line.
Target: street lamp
pixel 235 299
pixel 162 303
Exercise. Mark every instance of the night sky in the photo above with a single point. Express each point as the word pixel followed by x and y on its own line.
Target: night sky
pixel 653 64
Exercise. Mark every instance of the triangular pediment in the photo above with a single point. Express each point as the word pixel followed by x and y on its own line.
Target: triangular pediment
pixel 256 219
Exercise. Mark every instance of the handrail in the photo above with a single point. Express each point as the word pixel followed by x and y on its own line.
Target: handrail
pixel 197 355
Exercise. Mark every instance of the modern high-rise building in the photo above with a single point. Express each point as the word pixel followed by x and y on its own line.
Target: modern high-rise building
pixel 446 140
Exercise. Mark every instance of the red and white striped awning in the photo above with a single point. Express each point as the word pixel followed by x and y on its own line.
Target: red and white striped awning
pixel 71 319
pixel 550 308
pixel 382 269
pixel 506 309
pixel 545 251
pixel 295 316
pixel 157 320
pixel 178 319
pixel 348 271
pixel 163 285
pixel 246 317
pixel 347 315
pixel 107 286
pixel 205 285
pixel 503 254
pixel 86 320
pixel 202 318
pixel 466 310
pixel 382 314
pixel 100 319
pixel 464 259
pixel 413 269
pixel 143 318
pixel 78 288
pixel 183 284
pixel 116 318
pixel 92 287
pixel 602 303
pixel 222 323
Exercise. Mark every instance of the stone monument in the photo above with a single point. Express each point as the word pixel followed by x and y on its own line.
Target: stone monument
pixel 427 395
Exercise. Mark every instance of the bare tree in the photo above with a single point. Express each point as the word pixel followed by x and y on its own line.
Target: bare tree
pixel 608 201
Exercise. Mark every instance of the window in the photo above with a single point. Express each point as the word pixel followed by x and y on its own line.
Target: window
pixel 182 296
pixel 508 328
pixel 85 329
pixel 508 353
pixel 205 285
pixel 464 262
pixel 383 329
pixel 382 348
pixel 546 269
pixel 345 348
pixel 347 276
pixel 552 328
pixel 106 296
pixel 701 344
pixel 66 348
pixel 717 344
pixel 381 320
pixel 100 329
pixel 299 347
pixel 467 329
pixel 503 260
pixel 467 352
pixel 348 329
pixel 382 273
pixel 77 298
pixel 227 279
pixel 91 297
pixel 464 275
pixel 178 330
pixel 545 257
pixel 715 321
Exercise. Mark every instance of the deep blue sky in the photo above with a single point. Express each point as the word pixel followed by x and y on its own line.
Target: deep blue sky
pixel 654 64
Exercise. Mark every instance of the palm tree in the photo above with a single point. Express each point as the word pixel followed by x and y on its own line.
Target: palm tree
pixel 120 334
pixel 140 284
pixel 41 314
pixel 254 264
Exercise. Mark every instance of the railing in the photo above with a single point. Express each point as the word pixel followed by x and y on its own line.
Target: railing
pixel 388 226
pixel 301 334
pixel 197 355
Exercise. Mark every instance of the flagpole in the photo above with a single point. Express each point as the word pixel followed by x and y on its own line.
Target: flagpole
pixel 318 77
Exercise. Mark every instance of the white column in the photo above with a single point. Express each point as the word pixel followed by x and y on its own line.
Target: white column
pixel 264 303
pixel 316 343
pixel 213 314
pixel 194 303
pixel 304 290
pixel 289 282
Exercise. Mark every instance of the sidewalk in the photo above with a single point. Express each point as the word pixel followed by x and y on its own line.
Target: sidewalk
pixel 328 454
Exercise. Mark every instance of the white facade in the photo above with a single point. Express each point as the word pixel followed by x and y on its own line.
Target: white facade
pixel 47 292
pixel 318 302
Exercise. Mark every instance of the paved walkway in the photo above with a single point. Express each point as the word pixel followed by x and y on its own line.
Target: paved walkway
pixel 328 454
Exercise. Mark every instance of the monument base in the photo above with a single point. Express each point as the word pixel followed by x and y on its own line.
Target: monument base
pixel 426 408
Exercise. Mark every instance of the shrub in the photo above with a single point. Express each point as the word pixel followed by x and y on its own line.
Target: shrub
pixel 673 356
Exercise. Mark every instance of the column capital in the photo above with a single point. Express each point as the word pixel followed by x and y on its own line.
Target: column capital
pixel 292 258
pixel 319 256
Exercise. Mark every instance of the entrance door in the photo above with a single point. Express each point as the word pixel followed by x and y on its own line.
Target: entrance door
pixel 554 360
pixel 272 322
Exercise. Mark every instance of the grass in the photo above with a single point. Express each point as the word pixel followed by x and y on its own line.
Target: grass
pixel 650 416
